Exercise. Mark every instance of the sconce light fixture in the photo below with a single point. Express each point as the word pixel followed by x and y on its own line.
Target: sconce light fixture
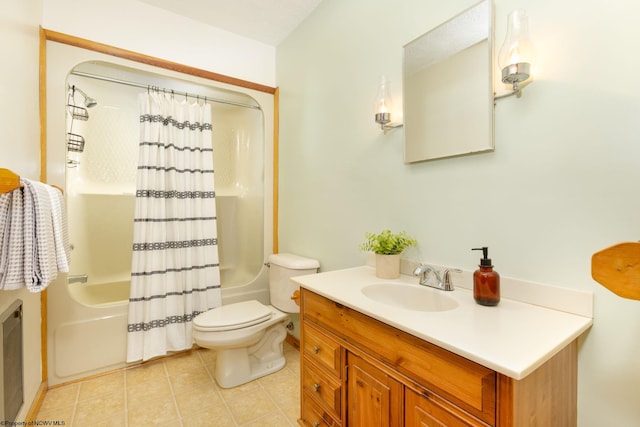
pixel 517 52
pixel 383 106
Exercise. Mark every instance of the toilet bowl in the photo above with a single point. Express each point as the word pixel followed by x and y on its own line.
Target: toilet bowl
pixel 248 335
pixel 248 338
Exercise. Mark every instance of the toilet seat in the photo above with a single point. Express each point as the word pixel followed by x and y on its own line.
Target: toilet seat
pixel 233 316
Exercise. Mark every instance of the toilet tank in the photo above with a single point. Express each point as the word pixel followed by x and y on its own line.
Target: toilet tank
pixel 281 268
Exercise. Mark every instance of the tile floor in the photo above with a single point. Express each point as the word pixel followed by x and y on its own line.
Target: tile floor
pixel 177 391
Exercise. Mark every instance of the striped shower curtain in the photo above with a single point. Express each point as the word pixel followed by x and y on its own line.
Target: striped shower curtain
pixel 175 272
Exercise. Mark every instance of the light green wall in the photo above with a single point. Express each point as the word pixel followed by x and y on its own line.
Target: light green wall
pixel 561 184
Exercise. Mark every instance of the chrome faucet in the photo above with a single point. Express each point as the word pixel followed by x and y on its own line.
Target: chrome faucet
pixel 444 284
pixel 81 278
pixel 422 271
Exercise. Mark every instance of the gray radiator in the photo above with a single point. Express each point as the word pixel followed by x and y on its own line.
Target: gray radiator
pixel 11 377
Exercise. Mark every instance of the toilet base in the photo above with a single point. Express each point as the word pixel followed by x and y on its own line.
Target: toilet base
pixel 237 366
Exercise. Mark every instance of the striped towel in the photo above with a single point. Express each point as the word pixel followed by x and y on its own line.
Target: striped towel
pixel 11 227
pixel 60 229
pixel 34 236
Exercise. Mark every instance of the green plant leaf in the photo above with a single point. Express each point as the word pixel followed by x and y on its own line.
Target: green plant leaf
pixel 387 243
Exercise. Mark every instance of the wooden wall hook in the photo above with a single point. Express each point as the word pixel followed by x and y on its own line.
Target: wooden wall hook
pixel 617 268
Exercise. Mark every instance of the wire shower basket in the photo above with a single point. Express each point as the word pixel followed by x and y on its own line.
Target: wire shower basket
pixel 79 113
pixel 75 142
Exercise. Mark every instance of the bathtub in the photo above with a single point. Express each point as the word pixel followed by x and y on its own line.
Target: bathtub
pixel 101 295
pixel 88 324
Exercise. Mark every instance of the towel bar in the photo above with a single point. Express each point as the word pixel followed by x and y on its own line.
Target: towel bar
pixel 9 181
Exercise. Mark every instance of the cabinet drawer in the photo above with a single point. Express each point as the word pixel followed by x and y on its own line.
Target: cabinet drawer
pixel 326 390
pixel 314 416
pixel 463 382
pixel 430 410
pixel 320 348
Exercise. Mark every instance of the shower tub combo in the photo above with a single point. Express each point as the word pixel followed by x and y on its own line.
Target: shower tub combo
pixel 88 308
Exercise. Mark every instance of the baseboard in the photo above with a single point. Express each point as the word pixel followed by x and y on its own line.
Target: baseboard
pixel 293 341
pixel 37 403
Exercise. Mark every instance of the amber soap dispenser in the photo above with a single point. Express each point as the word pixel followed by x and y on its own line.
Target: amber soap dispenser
pixel 486 282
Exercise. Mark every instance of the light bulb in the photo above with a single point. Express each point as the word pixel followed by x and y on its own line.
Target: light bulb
pixel 383 103
pixel 517 52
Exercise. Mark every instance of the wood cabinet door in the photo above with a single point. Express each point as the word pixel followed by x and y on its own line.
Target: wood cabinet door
pixel 373 398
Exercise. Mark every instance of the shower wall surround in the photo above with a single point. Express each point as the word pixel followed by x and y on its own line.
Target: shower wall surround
pixel 101 180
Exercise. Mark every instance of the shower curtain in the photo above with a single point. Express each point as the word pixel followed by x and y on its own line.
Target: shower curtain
pixel 175 271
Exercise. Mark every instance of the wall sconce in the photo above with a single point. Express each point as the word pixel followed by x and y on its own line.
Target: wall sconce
pixel 383 106
pixel 517 52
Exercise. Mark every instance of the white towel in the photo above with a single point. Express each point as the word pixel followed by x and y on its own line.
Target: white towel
pixel 40 267
pixel 60 229
pixel 34 237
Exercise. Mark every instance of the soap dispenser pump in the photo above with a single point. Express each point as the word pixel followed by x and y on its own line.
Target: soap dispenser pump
pixel 486 282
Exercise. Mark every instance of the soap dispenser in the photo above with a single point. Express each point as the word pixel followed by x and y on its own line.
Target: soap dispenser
pixel 486 282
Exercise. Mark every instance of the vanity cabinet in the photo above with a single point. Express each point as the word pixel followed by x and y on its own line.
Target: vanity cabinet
pixel 358 371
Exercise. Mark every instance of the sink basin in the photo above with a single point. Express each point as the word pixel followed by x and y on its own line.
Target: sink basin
pixel 410 297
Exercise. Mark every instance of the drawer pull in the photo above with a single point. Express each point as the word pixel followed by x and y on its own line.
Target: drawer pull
pixel 316 387
pixel 316 349
pixel 316 424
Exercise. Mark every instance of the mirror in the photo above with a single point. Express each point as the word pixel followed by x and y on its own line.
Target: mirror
pixel 448 88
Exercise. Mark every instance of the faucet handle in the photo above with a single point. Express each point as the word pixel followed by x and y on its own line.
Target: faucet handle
pixel 446 278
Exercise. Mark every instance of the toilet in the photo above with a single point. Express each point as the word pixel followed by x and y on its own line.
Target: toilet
pixel 248 335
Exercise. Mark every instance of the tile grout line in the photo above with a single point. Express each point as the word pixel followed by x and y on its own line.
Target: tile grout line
pixel 126 399
pixel 212 378
pixel 173 395
pixel 273 400
pixel 75 405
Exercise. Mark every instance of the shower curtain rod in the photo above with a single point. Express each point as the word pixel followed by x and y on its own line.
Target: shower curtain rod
pixel 140 85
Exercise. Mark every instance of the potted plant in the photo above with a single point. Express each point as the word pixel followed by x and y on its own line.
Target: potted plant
pixel 387 246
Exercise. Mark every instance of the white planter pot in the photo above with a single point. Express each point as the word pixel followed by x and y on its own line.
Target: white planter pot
pixel 387 266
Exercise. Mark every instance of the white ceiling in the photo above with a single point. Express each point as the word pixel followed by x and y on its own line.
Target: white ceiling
pixel 267 21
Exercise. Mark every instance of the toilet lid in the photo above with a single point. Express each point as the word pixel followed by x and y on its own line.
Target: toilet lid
pixel 232 316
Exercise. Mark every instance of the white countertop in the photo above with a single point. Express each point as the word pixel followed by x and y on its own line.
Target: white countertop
pixel 512 338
